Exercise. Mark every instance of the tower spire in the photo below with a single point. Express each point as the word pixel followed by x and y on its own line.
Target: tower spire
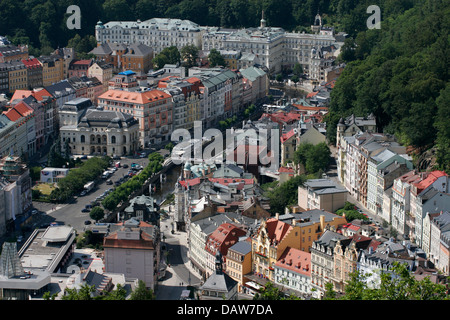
pixel 263 21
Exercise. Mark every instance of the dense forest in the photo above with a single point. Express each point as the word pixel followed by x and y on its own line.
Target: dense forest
pixel 400 73
pixel 42 23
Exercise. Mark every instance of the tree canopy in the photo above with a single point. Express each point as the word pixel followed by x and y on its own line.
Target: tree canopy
pixel 400 74
pixel 216 59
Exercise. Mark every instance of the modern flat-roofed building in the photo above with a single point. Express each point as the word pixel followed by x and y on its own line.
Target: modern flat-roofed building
pixel 322 194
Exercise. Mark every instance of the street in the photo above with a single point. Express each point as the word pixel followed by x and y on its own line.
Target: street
pixel 70 213
pixel 179 274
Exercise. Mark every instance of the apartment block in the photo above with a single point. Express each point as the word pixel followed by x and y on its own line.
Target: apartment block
pixel 322 194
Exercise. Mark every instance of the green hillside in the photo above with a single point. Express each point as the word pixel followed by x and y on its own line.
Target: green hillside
pixel 400 73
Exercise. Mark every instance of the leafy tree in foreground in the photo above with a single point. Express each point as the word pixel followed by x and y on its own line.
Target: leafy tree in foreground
pixel 399 284
pixel 270 292
pixel 216 59
pixel 97 213
pixel 142 293
pixel 189 55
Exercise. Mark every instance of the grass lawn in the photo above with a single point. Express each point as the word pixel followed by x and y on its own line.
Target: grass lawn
pixel 45 188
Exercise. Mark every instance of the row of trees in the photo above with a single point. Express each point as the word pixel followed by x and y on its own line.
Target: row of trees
pixel 398 284
pixel 122 192
pixel 78 177
pixel 86 292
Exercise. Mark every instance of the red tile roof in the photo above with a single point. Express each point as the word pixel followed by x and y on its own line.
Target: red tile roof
pixel 308 108
pixel 31 63
pixel 12 114
pixel 295 260
pixel 223 237
pixel 429 180
pixel 286 169
pixel 134 97
pixel 23 109
pixel 312 94
pixel 286 136
pixel 277 230
pixel 21 94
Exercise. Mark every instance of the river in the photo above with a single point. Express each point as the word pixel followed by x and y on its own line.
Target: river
pixel 167 186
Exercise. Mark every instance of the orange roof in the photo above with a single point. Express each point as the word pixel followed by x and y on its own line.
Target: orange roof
pixel 21 94
pixel 430 179
pixel 307 108
pixel 295 260
pixel 312 94
pixel 193 80
pixel 12 114
pixel 82 62
pixel 18 111
pixel 276 229
pixel 134 97
pixel 23 108
pixel 223 237
pixel 286 169
pixel 286 136
pixel 31 62
pixel 39 95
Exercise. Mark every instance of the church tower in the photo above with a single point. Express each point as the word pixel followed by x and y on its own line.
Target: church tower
pixel 263 21
pixel 317 23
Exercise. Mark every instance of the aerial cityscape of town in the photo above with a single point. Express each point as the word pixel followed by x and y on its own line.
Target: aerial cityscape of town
pixel 151 156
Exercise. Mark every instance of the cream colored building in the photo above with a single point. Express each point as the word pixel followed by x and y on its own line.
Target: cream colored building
pixel 96 131
pixel 239 262
pixel 321 194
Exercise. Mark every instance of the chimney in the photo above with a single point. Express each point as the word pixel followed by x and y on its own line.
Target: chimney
pixel 322 222
pixel 277 216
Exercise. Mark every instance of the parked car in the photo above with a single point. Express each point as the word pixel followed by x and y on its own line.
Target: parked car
pixel 83 157
pixel 86 222
pixel 83 193
pixel 125 166
pixel 85 210
pixel 109 182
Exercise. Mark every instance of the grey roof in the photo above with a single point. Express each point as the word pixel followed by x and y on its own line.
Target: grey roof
pixel 252 73
pixel 60 87
pixel 77 104
pixel 308 217
pixel 96 279
pixel 329 238
pixel 324 186
pixel 99 117
pixel 208 225
pixel 320 183
pixel 158 23
pixel 442 220
pixel 242 247
pixel 138 49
